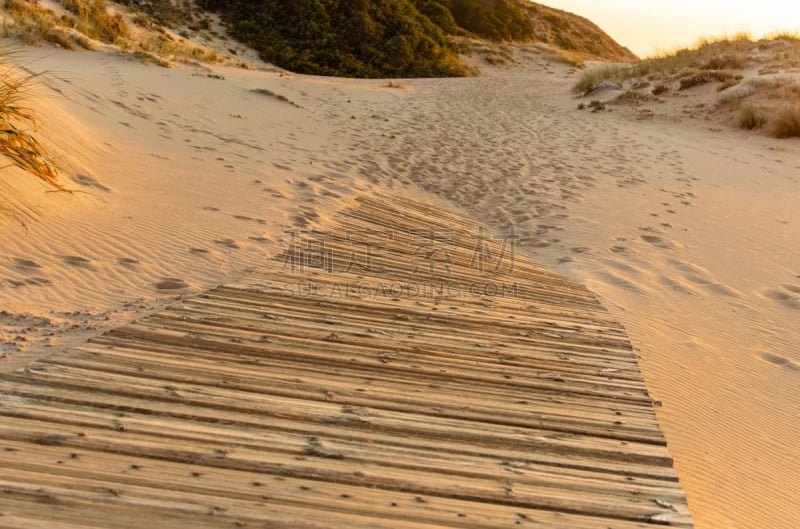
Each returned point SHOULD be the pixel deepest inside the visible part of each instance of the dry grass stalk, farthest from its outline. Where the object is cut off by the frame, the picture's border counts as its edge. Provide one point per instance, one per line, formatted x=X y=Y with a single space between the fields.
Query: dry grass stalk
x=19 y=145
x=752 y=118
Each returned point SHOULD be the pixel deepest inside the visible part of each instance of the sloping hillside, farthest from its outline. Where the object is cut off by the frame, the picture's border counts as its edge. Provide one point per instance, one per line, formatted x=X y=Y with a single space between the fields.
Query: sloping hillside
x=353 y=38
x=404 y=38
x=571 y=32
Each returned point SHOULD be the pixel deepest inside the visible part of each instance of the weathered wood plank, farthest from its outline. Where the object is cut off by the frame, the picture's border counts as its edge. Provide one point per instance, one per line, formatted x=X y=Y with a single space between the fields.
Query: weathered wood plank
x=377 y=375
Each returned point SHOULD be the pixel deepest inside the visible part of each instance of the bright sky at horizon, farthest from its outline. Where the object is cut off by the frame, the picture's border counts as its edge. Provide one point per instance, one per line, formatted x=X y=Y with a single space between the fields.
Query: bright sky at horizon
x=647 y=26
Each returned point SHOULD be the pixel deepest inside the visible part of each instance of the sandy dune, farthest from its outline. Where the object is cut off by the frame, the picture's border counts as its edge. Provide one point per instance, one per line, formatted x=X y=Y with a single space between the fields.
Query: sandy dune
x=689 y=235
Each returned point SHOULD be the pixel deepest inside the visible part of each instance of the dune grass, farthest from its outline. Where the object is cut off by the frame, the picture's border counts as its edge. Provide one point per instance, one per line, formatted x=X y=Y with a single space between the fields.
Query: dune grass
x=751 y=117
x=32 y=23
x=787 y=123
x=758 y=82
x=90 y=19
x=16 y=143
x=707 y=55
x=86 y=21
x=93 y=19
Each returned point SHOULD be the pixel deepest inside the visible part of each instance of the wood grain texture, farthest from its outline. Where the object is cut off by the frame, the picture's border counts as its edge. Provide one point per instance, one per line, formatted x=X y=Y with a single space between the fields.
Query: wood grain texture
x=403 y=369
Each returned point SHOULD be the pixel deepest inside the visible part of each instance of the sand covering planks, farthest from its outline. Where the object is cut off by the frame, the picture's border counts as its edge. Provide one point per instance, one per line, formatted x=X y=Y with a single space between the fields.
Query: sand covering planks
x=404 y=369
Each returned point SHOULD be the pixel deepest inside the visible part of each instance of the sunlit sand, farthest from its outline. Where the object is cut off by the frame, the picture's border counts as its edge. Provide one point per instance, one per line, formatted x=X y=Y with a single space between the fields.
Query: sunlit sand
x=185 y=178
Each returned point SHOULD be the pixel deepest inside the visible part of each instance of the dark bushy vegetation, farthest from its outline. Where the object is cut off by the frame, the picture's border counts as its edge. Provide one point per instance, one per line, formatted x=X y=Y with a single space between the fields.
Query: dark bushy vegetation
x=166 y=12
x=495 y=20
x=357 y=38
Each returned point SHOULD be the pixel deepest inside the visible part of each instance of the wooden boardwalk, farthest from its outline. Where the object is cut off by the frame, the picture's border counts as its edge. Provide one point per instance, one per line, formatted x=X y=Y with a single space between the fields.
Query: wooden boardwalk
x=404 y=370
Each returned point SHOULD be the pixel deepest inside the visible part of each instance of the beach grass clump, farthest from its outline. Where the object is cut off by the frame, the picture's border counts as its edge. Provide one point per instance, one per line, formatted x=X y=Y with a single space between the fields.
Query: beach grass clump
x=16 y=142
x=707 y=76
x=787 y=122
x=712 y=55
x=31 y=23
x=94 y=20
x=751 y=118
x=614 y=73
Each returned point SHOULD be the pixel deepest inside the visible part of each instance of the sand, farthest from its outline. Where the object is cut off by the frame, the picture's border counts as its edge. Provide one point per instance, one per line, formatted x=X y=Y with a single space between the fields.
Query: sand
x=185 y=178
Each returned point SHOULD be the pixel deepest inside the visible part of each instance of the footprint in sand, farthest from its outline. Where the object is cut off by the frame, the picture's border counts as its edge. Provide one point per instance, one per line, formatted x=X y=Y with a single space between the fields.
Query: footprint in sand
x=652 y=239
x=171 y=284
x=128 y=261
x=274 y=193
x=229 y=243
x=26 y=263
x=792 y=288
x=88 y=181
x=76 y=260
x=33 y=281
x=249 y=219
x=785 y=298
x=780 y=361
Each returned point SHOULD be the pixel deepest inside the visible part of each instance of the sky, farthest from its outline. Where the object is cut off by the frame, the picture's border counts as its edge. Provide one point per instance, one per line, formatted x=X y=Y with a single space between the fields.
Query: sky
x=647 y=26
